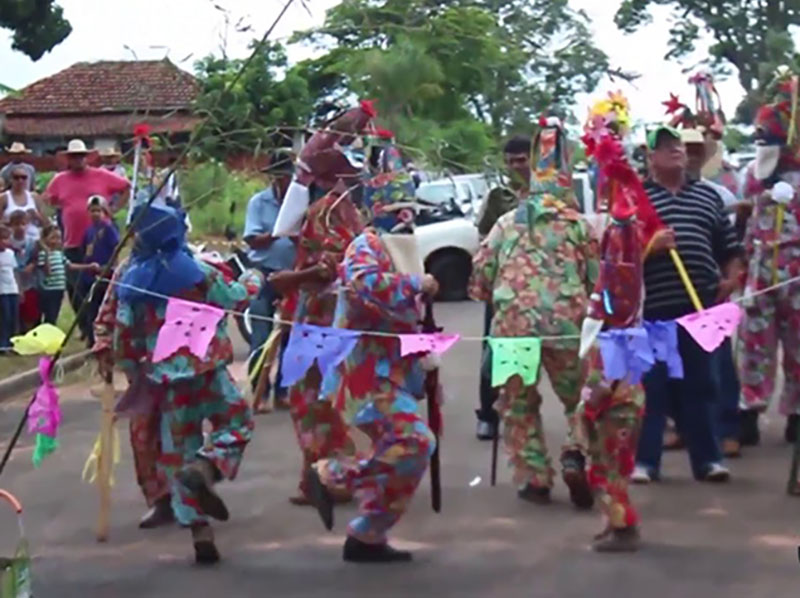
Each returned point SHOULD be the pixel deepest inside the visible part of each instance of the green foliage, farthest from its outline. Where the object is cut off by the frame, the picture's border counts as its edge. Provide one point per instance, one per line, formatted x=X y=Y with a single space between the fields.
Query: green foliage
x=210 y=189
x=751 y=35
x=453 y=77
x=37 y=25
x=247 y=111
x=734 y=139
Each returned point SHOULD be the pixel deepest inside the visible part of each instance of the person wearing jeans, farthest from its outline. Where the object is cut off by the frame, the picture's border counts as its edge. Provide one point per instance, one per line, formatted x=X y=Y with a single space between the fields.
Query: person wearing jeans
x=698 y=229
x=9 y=291
x=268 y=253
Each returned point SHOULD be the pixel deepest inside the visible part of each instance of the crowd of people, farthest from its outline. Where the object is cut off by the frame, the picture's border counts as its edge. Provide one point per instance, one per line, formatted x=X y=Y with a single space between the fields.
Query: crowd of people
x=43 y=258
x=332 y=244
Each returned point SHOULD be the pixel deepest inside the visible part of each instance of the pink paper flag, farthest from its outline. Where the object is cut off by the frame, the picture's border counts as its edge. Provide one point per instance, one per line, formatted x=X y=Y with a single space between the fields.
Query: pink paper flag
x=427 y=343
x=711 y=326
x=187 y=324
x=44 y=414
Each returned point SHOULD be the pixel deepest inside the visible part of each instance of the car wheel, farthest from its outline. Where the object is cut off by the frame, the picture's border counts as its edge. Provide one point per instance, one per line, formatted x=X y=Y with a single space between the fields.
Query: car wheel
x=244 y=324
x=451 y=269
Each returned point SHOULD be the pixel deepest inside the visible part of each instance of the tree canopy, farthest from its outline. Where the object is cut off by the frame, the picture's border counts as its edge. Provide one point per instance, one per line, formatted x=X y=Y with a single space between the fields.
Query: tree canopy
x=37 y=25
x=751 y=35
x=451 y=77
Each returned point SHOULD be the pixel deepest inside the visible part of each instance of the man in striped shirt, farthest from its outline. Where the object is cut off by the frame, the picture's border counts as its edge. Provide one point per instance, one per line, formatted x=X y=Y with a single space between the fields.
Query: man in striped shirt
x=706 y=241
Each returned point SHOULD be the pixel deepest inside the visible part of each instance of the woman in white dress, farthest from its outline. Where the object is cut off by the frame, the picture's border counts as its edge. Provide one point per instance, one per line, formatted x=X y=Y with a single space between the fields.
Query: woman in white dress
x=20 y=198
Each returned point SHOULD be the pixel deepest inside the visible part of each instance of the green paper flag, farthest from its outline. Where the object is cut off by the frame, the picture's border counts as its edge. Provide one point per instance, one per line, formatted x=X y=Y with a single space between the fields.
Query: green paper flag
x=515 y=356
x=45 y=445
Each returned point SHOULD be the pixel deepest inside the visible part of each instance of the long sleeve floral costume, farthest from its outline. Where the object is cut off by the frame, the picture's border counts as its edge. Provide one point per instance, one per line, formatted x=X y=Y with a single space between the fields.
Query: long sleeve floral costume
x=773 y=317
x=538 y=279
x=330 y=226
x=183 y=389
x=377 y=390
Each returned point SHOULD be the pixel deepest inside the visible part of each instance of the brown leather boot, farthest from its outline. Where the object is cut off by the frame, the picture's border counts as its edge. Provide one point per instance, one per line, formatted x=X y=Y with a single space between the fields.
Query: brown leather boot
x=159 y=514
x=624 y=539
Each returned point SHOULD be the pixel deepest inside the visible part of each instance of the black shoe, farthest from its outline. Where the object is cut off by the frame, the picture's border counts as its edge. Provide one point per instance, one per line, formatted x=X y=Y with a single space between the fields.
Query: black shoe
x=320 y=497
x=749 y=434
x=625 y=539
x=485 y=431
x=356 y=551
x=160 y=514
x=536 y=494
x=205 y=551
x=790 y=432
x=199 y=478
x=574 y=475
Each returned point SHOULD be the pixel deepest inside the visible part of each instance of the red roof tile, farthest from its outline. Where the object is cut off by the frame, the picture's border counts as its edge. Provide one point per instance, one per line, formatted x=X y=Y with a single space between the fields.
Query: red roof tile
x=121 y=86
x=93 y=125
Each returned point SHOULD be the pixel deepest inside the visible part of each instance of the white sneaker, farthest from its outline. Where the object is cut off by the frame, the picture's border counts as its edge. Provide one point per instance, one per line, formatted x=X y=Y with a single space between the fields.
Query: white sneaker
x=640 y=475
x=717 y=473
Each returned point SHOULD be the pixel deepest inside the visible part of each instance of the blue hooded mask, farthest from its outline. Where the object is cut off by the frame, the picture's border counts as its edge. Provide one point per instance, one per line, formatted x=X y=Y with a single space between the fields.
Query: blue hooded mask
x=160 y=261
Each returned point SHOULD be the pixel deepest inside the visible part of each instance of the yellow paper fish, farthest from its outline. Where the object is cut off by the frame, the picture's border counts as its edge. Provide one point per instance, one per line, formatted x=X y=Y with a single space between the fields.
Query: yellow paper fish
x=44 y=339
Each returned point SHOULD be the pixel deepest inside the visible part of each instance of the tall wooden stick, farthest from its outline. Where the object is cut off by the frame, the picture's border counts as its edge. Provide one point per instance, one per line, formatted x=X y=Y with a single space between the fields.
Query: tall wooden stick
x=105 y=459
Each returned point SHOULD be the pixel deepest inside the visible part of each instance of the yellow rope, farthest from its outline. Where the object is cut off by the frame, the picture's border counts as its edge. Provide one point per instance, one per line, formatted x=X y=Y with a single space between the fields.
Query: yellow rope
x=687 y=282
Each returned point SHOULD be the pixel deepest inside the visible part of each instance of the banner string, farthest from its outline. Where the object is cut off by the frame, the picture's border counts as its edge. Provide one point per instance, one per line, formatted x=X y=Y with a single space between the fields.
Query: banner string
x=274 y=320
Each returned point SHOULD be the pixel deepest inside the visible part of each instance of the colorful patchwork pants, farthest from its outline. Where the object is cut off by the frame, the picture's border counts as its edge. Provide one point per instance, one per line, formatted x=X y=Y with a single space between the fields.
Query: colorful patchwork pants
x=773 y=318
x=523 y=433
x=321 y=431
x=184 y=406
x=386 y=478
x=145 y=433
x=611 y=432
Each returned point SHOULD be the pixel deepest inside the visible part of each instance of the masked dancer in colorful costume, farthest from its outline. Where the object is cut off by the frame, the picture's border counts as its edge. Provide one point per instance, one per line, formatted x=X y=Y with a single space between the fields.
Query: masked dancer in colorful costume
x=613 y=398
x=773 y=247
x=375 y=388
x=180 y=389
x=537 y=267
x=331 y=224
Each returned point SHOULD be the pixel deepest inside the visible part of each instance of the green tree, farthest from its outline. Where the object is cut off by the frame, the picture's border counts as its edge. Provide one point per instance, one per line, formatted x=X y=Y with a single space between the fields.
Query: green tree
x=38 y=26
x=261 y=109
x=751 y=35
x=453 y=76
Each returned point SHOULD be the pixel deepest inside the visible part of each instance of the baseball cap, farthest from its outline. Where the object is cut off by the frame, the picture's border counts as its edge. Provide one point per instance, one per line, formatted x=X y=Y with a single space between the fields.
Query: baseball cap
x=652 y=136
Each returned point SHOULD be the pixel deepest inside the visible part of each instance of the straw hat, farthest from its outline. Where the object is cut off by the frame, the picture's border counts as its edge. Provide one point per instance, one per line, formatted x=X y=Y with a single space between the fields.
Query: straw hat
x=18 y=148
x=692 y=136
x=76 y=146
x=110 y=152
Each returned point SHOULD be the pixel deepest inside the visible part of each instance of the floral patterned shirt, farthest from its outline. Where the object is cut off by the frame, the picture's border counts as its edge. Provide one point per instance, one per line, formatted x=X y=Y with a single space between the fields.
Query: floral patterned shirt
x=538 y=279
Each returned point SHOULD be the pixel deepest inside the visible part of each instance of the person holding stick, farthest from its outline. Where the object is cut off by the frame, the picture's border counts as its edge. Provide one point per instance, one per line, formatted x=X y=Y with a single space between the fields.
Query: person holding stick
x=537 y=268
x=375 y=388
x=699 y=230
x=184 y=388
x=773 y=248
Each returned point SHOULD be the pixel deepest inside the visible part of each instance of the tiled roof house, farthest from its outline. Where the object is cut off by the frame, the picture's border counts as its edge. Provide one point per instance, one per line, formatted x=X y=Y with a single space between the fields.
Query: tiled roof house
x=100 y=102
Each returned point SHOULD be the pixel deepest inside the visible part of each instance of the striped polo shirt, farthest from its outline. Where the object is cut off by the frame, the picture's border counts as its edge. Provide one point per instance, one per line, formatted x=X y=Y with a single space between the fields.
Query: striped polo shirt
x=705 y=240
x=56 y=279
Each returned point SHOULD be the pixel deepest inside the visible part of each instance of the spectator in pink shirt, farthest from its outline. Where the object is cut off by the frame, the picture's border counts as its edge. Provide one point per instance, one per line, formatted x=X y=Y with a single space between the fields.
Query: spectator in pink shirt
x=69 y=191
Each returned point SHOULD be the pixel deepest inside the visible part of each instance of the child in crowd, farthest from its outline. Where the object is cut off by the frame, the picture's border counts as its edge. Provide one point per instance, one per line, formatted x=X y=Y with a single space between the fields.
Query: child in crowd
x=9 y=291
x=25 y=250
x=98 y=248
x=53 y=265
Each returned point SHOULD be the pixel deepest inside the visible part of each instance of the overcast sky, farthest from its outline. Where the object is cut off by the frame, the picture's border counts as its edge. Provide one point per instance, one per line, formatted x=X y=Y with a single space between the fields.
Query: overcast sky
x=194 y=28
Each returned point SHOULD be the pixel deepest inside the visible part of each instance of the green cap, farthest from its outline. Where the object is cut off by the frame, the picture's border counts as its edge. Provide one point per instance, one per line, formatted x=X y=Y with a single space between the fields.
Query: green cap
x=652 y=136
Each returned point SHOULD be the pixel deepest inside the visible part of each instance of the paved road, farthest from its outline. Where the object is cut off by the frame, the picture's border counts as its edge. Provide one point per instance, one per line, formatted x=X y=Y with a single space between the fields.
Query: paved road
x=701 y=540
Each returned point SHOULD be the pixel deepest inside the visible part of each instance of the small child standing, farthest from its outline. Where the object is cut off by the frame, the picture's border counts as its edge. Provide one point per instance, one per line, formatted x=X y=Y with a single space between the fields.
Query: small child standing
x=53 y=265
x=25 y=249
x=98 y=248
x=9 y=291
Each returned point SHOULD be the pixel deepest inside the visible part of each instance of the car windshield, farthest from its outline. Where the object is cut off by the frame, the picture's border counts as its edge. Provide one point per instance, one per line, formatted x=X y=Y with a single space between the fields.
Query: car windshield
x=437 y=192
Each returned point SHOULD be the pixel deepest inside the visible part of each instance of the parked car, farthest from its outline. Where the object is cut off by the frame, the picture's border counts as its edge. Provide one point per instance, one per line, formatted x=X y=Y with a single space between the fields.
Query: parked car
x=447 y=241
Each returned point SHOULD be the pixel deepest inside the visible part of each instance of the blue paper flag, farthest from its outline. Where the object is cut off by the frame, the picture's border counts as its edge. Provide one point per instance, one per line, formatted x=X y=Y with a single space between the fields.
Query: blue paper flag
x=627 y=354
x=664 y=341
x=328 y=346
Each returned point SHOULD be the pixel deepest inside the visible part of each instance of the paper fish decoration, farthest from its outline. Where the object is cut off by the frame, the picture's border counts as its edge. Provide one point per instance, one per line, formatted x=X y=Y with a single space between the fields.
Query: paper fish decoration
x=590 y=328
x=328 y=346
x=187 y=324
x=512 y=356
x=45 y=339
x=627 y=354
x=710 y=327
x=427 y=343
x=664 y=342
